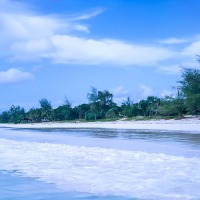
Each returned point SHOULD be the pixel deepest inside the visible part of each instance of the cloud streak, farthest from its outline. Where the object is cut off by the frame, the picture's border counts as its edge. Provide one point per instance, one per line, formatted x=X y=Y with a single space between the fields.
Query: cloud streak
x=89 y=15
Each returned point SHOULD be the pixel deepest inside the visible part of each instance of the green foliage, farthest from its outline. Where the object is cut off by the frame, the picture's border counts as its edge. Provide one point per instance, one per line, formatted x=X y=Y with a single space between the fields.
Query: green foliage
x=16 y=114
x=143 y=104
x=34 y=115
x=82 y=111
x=134 y=110
x=168 y=107
x=190 y=86
x=112 y=113
x=45 y=104
x=126 y=107
x=65 y=112
x=46 y=110
x=100 y=102
x=5 y=117
x=179 y=102
x=102 y=107
x=91 y=116
x=153 y=104
x=93 y=95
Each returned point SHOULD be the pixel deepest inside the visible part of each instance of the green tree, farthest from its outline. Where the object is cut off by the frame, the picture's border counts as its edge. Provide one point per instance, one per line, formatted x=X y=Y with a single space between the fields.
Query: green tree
x=143 y=105
x=46 y=108
x=4 y=117
x=179 y=102
x=153 y=104
x=17 y=114
x=35 y=114
x=173 y=105
x=105 y=102
x=135 y=110
x=93 y=101
x=83 y=110
x=65 y=112
x=100 y=102
x=126 y=107
x=113 y=113
x=190 y=86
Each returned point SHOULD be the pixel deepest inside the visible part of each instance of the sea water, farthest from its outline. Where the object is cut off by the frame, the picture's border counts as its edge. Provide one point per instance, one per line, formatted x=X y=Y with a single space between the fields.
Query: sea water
x=104 y=164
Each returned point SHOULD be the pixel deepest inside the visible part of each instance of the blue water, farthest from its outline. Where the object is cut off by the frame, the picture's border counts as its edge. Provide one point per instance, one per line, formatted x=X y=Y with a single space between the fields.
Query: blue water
x=15 y=187
x=98 y=164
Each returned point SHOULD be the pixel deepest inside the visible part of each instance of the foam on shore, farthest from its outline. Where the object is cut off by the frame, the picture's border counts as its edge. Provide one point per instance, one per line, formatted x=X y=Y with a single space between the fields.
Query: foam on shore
x=102 y=171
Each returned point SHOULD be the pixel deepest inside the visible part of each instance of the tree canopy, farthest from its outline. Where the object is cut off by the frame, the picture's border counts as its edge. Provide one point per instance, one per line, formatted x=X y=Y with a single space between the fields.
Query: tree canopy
x=190 y=86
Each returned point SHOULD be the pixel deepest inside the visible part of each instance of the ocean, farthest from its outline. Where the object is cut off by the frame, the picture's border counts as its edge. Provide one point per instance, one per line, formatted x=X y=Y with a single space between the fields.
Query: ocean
x=99 y=164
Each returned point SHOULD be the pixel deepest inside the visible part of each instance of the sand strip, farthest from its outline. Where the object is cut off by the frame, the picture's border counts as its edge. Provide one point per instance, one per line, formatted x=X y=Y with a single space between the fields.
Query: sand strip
x=189 y=125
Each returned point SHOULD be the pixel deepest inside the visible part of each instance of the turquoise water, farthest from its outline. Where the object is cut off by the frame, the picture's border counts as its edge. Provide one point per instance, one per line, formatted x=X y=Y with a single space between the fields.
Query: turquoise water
x=98 y=164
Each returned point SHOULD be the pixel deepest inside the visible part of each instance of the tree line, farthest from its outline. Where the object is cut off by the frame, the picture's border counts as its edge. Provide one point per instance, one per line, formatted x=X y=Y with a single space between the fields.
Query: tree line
x=101 y=105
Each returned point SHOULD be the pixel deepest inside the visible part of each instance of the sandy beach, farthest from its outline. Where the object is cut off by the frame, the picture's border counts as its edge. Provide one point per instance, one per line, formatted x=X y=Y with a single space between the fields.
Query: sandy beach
x=186 y=124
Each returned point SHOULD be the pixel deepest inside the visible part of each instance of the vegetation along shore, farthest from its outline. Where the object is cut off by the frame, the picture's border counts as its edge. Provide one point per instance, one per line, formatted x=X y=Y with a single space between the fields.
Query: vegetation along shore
x=101 y=106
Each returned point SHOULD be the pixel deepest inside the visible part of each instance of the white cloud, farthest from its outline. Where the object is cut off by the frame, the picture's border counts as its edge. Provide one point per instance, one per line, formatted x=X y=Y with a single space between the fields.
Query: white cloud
x=120 y=94
x=142 y=91
x=146 y=91
x=80 y=27
x=66 y=49
x=17 y=22
x=30 y=36
x=27 y=26
x=14 y=75
x=192 y=49
x=186 y=52
x=31 y=50
x=172 y=41
x=119 y=91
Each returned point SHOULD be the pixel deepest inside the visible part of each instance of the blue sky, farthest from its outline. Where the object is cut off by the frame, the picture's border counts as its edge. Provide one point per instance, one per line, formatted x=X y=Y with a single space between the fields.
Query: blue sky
x=56 y=48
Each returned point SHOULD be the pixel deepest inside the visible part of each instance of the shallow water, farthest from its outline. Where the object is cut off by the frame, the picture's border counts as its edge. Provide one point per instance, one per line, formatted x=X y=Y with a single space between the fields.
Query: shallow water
x=98 y=164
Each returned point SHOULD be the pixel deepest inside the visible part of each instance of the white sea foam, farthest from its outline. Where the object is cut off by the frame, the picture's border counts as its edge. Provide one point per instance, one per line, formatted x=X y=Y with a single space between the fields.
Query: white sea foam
x=104 y=171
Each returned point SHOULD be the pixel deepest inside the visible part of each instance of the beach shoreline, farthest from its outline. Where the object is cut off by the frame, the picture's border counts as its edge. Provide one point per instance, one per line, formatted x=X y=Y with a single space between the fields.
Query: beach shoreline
x=185 y=124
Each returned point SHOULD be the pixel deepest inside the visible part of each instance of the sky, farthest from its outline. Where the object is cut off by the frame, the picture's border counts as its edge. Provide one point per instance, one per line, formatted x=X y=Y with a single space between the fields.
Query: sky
x=61 y=48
